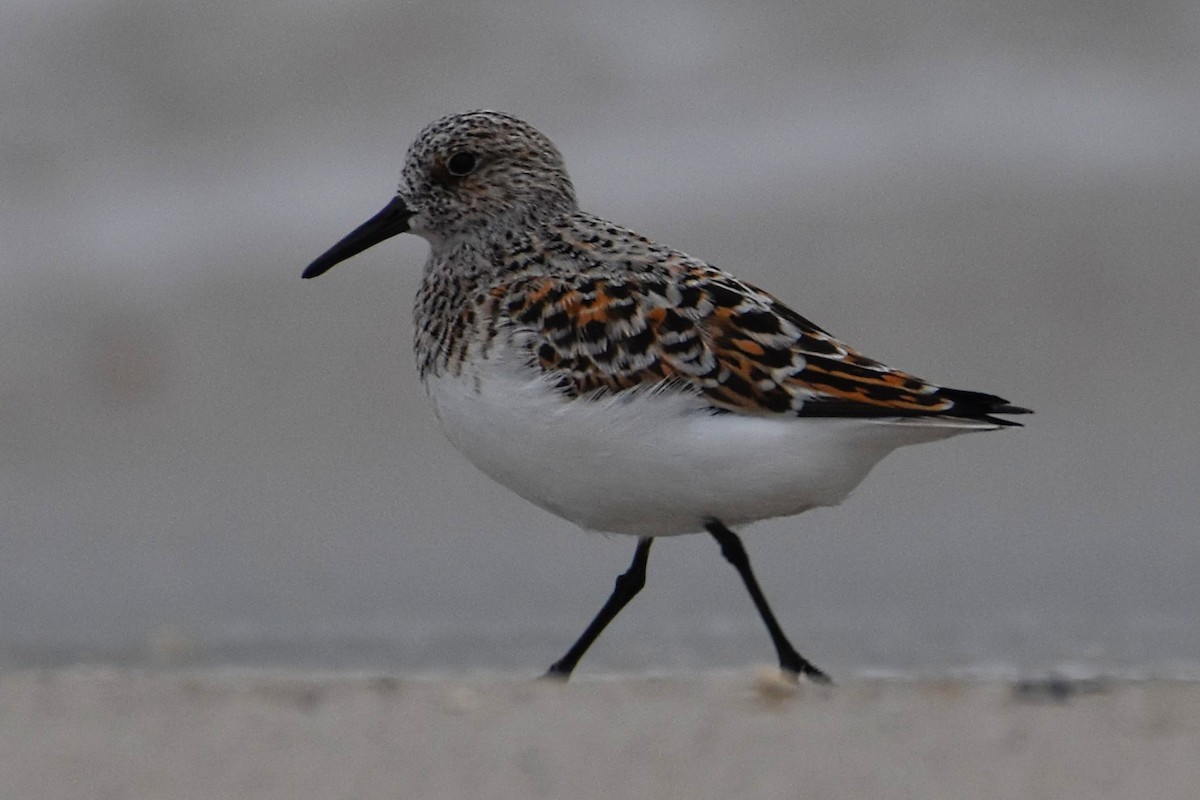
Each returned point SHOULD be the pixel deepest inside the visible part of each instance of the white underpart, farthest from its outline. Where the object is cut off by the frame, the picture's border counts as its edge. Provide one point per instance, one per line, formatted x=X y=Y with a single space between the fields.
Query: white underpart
x=656 y=463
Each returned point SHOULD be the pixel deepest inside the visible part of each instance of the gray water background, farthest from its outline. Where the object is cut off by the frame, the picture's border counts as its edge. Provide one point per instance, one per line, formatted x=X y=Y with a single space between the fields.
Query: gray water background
x=206 y=460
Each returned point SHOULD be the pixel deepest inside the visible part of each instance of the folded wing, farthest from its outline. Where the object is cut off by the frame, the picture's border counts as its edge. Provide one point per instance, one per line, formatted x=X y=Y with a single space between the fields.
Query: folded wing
x=697 y=328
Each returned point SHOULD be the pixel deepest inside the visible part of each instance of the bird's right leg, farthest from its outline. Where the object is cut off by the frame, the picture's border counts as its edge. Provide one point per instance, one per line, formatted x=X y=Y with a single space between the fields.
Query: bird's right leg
x=628 y=584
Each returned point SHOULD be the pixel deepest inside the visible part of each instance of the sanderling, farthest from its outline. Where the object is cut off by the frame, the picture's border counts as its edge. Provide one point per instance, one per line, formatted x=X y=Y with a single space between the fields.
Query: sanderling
x=620 y=384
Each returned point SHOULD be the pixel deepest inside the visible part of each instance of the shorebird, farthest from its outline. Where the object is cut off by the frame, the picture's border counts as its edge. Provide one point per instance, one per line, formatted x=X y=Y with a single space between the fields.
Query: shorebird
x=623 y=385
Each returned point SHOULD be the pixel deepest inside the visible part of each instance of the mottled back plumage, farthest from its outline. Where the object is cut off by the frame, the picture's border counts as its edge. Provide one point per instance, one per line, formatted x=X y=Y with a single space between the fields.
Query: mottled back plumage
x=601 y=309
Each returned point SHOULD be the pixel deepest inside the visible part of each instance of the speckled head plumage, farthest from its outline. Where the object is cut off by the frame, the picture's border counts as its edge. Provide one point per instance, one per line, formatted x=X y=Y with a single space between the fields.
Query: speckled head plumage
x=481 y=168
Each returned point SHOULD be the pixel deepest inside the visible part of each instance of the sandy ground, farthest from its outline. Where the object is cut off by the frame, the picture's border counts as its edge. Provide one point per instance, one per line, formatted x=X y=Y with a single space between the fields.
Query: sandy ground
x=118 y=735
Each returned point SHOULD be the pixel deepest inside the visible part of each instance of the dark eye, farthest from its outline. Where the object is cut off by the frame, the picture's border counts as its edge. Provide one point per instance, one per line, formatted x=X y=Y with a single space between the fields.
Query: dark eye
x=462 y=164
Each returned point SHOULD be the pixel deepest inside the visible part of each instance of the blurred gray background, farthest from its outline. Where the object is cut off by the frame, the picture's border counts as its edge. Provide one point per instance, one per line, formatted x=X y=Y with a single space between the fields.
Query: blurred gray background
x=206 y=460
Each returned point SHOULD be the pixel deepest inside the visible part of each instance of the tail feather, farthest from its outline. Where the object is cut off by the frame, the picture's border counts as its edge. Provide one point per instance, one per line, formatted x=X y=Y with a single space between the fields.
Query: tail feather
x=978 y=405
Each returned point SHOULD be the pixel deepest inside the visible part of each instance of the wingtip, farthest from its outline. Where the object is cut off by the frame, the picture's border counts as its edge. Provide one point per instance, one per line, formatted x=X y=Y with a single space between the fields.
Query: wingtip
x=979 y=405
x=1008 y=409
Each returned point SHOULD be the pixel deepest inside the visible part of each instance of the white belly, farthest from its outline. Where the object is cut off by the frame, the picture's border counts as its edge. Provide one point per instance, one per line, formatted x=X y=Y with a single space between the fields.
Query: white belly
x=657 y=463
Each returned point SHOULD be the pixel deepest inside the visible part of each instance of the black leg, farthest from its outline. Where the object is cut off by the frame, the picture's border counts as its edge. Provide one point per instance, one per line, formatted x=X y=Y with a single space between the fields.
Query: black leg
x=627 y=585
x=789 y=659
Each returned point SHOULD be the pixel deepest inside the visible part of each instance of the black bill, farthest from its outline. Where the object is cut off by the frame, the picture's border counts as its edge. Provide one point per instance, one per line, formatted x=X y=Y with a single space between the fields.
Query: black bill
x=393 y=219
